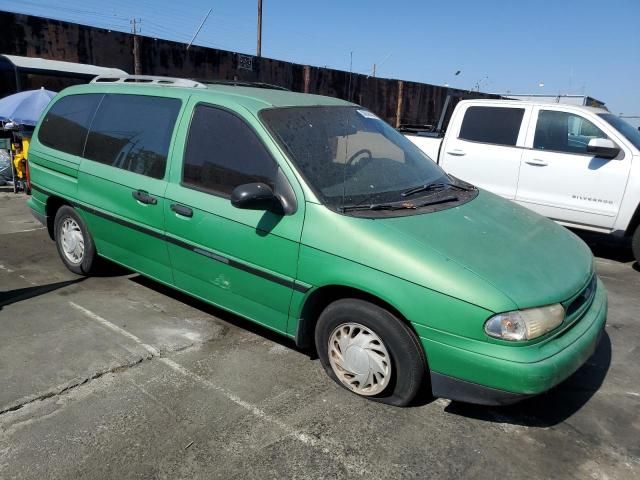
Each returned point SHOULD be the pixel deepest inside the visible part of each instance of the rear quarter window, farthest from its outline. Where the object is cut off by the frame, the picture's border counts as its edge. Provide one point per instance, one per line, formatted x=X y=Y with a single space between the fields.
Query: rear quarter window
x=495 y=125
x=66 y=124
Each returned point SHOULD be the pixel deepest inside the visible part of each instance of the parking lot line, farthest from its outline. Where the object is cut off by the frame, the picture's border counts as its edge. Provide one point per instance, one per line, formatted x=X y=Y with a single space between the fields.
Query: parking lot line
x=256 y=411
x=106 y=323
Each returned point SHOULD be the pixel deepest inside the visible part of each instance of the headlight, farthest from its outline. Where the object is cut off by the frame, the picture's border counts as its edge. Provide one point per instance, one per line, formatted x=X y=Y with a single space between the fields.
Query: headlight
x=525 y=324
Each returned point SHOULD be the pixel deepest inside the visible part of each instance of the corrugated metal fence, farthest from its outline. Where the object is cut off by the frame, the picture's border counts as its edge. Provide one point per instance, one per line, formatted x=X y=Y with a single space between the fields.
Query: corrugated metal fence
x=396 y=101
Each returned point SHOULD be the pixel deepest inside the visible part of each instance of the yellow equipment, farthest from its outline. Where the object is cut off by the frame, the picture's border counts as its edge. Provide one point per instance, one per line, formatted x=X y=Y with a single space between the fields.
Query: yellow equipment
x=20 y=151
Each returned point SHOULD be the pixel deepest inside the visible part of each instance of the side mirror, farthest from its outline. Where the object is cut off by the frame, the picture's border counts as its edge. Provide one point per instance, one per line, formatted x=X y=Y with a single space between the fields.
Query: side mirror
x=255 y=196
x=603 y=147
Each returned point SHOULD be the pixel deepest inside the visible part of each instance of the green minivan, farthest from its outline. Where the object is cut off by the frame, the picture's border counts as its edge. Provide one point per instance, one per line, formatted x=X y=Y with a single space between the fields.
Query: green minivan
x=314 y=218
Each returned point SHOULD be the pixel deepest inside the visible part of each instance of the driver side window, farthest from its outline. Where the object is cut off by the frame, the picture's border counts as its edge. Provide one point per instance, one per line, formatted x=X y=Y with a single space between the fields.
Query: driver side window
x=564 y=132
x=223 y=152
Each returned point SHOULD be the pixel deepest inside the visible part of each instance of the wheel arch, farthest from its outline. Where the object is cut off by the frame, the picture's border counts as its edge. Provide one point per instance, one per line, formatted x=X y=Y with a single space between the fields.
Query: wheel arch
x=634 y=223
x=322 y=296
x=52 y=206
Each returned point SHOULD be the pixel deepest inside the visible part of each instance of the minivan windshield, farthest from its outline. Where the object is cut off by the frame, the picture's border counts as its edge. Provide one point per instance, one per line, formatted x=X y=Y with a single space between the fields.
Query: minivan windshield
x=630 y=133
x=349 y=156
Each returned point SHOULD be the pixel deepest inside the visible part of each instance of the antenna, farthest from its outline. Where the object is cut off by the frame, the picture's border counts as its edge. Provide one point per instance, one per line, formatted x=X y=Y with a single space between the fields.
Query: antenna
x=200 y=27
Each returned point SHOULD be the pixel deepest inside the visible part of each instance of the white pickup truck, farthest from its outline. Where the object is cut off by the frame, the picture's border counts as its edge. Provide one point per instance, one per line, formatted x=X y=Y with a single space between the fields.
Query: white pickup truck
x=579 y=166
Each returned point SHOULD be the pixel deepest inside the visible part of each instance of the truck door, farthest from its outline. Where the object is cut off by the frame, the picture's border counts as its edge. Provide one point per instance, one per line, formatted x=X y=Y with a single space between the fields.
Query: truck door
x=561 y=180
x=482 y=146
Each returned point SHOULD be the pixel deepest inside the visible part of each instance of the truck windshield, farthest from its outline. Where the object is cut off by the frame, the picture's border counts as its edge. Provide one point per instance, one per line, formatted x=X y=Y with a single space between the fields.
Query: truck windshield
x=630 y=133
x=349 y=156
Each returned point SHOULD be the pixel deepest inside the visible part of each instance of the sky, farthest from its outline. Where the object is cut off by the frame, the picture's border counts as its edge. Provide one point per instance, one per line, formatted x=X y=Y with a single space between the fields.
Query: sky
x=587 y=47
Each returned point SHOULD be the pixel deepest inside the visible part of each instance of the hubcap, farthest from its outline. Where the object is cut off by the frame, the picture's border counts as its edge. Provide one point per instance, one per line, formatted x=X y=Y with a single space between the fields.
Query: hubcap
x=72 y=241
x=359 y=359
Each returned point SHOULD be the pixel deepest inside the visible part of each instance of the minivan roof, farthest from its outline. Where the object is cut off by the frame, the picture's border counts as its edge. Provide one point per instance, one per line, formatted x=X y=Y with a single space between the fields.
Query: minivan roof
x=253 y=98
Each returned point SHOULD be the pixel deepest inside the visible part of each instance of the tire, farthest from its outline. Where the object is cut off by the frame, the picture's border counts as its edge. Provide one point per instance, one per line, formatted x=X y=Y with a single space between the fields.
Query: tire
x=387 y=341
x=635 y=244
x=69 y=231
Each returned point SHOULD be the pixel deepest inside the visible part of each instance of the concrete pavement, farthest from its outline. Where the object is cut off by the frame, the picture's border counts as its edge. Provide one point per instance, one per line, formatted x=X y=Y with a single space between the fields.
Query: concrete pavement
x=119 y=377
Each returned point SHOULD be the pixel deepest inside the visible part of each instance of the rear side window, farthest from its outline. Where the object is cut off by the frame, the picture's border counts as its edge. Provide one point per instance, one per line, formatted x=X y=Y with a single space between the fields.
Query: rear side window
x=133 y=132
x=497 y=125
x=67 y=122
x=223 y=152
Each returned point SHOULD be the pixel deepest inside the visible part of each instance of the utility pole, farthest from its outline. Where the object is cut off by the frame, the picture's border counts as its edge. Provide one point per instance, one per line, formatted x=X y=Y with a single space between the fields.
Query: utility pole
x=259 y=48
x=376 y=65
x=350 y=74
x=135 y=29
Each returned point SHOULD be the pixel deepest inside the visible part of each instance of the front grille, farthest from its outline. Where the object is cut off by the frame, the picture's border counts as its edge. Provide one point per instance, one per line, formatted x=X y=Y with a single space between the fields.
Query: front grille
x=583 y=297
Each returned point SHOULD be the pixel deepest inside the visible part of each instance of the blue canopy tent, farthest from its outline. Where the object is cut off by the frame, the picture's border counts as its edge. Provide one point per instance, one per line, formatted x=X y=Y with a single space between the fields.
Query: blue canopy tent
x=24 y=108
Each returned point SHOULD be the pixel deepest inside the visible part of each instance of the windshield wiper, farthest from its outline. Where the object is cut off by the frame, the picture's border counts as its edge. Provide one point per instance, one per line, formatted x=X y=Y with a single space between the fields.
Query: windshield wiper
x=373 y=206
x=430 y=187
x=401 y=206
x=439 y=200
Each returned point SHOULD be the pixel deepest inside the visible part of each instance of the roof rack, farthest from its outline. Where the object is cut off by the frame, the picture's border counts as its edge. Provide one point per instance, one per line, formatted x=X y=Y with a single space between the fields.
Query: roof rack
x=149 y=80
x=240 y=83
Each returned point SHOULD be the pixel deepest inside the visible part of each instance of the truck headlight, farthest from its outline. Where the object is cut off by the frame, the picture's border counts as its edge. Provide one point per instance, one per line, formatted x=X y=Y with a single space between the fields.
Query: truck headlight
x=525 y=324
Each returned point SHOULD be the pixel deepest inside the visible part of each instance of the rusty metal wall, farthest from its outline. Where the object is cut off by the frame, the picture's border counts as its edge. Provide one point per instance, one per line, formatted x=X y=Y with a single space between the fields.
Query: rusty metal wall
x=394 y=100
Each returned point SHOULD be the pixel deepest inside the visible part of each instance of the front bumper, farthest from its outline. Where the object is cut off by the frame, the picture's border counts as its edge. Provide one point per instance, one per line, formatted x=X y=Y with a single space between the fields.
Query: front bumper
x=506 y=374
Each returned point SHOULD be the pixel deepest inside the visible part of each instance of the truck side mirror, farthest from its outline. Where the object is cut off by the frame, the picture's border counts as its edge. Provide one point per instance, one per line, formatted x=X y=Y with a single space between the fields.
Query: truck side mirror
x=603 y=148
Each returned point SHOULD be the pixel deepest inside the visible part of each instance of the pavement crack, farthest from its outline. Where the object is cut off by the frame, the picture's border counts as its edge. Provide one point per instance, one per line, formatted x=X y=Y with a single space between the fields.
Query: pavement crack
x=74 y=384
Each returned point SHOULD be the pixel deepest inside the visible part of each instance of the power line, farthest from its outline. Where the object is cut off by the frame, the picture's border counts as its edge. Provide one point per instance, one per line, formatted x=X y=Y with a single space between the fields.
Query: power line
x=199 y=28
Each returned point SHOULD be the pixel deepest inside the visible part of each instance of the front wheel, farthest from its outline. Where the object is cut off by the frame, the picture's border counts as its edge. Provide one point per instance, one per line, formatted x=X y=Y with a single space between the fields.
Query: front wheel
x=369 y=351
x=635 y=244
x=75 y=245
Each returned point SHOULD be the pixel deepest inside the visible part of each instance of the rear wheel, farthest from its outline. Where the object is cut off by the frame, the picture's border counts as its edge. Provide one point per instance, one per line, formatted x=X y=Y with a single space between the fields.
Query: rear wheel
x=75 y=245
x=635 y=244
x=369 y=351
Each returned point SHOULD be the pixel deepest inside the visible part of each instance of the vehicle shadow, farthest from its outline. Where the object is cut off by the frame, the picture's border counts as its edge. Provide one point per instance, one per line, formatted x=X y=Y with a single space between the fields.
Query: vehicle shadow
x=607 y=246
x=216 y=312
x=107 y=268
x=554 y=406
x=21 y=294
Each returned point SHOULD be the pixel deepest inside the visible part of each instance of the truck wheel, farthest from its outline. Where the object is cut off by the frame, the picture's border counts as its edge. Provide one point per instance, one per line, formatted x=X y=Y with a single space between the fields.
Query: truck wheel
x=74 y=243
x=369 y=351
x=635 y=244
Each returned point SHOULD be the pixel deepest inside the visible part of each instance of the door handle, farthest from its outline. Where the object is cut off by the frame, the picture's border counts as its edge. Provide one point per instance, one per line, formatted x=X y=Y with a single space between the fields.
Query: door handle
x=144 y=197
x=536 y=162
x=456 y=152
x=182 y=210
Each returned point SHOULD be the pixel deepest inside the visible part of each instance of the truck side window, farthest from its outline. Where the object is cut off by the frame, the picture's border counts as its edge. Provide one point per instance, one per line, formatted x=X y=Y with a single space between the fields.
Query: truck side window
x=222 y=152
x=564 y=132
x=133 y=132
x=67 y=122
x=496 y=125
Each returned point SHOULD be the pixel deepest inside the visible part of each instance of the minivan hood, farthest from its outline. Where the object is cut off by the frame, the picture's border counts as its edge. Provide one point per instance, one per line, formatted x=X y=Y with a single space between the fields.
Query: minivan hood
x=488 y=252
x=529 y=258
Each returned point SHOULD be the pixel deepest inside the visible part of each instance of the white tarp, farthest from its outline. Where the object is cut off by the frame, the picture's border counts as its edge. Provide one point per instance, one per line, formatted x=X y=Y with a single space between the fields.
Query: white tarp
x=64 y=67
